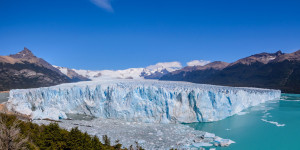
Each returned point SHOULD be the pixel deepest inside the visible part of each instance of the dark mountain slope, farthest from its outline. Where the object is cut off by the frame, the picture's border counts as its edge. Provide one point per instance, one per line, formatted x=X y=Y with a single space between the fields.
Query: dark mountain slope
x=275 y=75
x=275 y=71
x=24 y=70
x=195 y=73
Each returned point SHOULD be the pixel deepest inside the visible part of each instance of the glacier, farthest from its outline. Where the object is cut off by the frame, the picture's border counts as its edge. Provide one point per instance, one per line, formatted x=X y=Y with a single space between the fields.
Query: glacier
x=148 y=101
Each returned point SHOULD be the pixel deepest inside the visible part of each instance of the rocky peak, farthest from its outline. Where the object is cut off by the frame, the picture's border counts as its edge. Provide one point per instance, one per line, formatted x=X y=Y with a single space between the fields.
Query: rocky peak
x=291 y=57
x=278 y=53
x=27 y=56
x=26 y=53
x=261 y=58
x=297 y=53
x=216 y=65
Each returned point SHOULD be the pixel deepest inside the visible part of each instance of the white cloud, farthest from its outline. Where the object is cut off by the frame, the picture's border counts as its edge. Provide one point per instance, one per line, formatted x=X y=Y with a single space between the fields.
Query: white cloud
x=104 y=4
x=198 y=62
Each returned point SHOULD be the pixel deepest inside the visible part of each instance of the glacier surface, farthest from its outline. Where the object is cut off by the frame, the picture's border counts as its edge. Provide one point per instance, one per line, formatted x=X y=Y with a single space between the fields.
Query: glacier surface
x=138 y=100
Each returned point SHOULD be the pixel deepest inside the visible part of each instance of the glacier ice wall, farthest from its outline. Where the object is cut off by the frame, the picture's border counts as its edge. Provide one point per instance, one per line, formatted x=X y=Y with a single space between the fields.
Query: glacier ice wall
x=138 y=100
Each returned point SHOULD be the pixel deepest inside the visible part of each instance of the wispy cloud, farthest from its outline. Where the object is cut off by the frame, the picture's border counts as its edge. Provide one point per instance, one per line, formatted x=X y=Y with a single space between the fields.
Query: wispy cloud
x=197 y=63
x=104 y=4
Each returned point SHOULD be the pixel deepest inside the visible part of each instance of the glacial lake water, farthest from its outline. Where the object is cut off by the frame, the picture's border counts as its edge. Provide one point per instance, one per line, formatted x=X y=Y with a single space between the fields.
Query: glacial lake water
x=274 y=125
x=4 y=97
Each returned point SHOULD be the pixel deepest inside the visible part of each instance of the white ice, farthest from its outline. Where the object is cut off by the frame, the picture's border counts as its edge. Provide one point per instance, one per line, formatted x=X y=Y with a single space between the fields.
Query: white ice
x=148 y=135
x=273 y=122
x=138 y=100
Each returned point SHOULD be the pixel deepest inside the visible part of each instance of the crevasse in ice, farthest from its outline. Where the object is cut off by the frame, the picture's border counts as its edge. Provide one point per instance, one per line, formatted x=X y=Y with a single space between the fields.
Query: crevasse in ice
x=138 y=100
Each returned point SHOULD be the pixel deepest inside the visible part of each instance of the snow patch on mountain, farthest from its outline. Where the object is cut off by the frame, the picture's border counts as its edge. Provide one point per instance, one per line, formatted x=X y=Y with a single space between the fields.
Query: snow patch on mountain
x=159 y=67
x=63 y=70
x=131 y=73
x=75 y=77
x=151 y=72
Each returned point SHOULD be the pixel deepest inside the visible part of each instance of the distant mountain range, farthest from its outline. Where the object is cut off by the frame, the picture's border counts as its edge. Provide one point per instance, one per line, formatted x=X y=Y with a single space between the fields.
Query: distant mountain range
x=151 y=72
x=24 y=70
x=264 y=70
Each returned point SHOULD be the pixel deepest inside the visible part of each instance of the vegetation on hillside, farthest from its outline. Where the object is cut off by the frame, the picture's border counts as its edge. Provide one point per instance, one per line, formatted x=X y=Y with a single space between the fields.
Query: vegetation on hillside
x=16 y=134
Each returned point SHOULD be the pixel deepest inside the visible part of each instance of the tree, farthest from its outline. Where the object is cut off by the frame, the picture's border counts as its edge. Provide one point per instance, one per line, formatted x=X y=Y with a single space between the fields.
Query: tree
x=10 y=136
x=106 y=140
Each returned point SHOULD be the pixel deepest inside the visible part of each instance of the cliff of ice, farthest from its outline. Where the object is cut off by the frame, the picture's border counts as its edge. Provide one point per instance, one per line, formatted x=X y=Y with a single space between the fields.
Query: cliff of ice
x=138 y=100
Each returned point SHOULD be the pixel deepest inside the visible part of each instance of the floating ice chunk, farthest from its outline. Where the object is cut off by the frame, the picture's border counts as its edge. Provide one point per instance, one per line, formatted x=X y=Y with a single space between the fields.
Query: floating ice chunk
x=202 y=144
x=222 y=142
x=266 y=115
x=209 y=135
x=51 y=113
x=290 y=100
x=273 y=122
x=242 y=113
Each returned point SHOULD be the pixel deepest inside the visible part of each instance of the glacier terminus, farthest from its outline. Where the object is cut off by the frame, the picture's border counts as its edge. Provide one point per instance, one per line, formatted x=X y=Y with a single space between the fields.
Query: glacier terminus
x=148 y=101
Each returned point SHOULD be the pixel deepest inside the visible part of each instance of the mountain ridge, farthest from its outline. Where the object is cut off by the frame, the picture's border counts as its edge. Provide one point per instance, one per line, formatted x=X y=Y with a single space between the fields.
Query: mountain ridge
x=264 y=70
x=151 y=72
x=25 y=70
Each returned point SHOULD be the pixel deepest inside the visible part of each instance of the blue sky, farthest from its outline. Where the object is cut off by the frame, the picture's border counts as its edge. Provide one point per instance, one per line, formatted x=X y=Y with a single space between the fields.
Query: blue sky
x=119 y=34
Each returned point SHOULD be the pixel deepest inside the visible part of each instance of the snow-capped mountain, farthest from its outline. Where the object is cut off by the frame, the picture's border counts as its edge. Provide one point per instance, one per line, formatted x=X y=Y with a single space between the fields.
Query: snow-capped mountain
x=158 y=70
x=25 y=70
x=151 y=72
x=264 y=70
x=131 y=73
x=162 y=67
x=71 y=74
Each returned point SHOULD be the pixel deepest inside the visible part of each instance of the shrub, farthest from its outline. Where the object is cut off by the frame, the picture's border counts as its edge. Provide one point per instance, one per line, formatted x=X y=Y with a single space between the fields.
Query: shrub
x=17 y=134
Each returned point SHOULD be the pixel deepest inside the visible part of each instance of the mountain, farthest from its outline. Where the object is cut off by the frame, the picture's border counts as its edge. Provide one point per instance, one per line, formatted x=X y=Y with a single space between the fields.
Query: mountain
x=131 y=73
x=151 y=72
x=195 y=73
x=25 y=70
x=264 y=70
x=158 y=70
x=75 y=77
x=263 y=58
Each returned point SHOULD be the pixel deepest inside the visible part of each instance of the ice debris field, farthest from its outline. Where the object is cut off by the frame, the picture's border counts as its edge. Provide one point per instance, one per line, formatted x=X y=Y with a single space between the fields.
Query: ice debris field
x=148 y=135
x=138 y=100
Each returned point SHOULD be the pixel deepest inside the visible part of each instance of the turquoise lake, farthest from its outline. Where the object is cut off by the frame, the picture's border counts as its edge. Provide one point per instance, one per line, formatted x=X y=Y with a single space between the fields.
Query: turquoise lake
x=270 y=126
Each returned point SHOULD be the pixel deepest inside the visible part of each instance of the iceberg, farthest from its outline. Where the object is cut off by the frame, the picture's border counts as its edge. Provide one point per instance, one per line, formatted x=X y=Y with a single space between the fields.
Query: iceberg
x=148 y=101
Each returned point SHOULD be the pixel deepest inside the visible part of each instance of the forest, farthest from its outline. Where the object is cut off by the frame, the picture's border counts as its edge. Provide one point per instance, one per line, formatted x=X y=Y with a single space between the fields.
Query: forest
x=17 y=134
